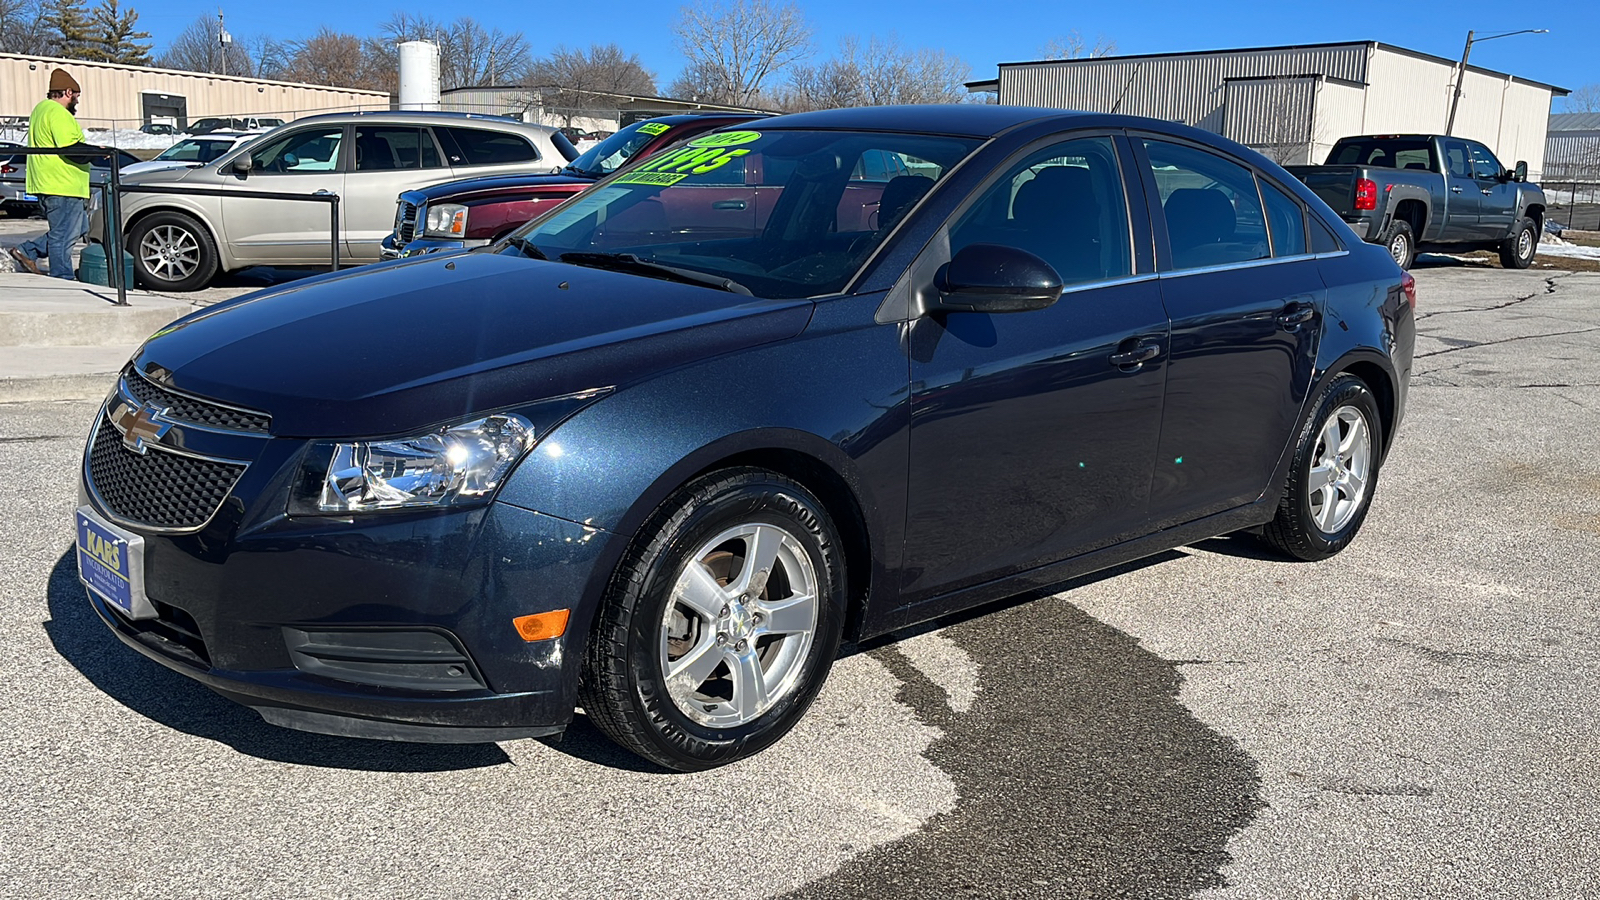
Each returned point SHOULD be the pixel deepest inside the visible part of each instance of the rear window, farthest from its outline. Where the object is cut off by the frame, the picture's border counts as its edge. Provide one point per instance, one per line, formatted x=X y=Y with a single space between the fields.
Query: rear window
x=475 y=147
x=1389 y=153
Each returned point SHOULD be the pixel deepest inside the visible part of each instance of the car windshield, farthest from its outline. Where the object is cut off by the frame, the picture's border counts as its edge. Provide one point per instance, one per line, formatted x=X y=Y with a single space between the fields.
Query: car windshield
x=195 y=151
x=608 y=156
x=783 y=213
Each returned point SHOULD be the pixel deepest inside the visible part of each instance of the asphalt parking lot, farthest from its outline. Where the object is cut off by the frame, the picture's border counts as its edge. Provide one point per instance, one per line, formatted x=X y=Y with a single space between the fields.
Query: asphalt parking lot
x=1413 y=718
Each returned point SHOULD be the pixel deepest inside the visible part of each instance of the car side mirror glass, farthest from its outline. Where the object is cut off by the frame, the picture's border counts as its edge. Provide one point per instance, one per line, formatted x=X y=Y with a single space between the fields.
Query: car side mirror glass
x=244 y=164
x=995 y=278
x=1521 y=173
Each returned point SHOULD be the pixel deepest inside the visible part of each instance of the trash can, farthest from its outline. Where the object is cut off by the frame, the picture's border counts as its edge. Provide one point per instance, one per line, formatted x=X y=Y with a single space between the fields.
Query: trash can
x=92 y=266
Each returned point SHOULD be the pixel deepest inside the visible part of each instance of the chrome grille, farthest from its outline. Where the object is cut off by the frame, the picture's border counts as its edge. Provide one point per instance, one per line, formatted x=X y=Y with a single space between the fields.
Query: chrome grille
x=189 y=409
x=408 y=222
x=156 y=488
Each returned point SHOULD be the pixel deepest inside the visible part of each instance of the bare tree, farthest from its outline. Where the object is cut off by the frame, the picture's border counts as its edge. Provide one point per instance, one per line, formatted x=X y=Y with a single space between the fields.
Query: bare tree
x=197 y=49
x=23 y=27
x=577 y=81
x=734 y=46
x=1584 y=99
x=880 y=73
x=1072 y=45
x=334 y=58
x=469 y=54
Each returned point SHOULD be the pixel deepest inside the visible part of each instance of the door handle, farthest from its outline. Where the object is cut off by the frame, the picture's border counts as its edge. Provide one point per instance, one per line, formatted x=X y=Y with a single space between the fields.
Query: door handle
x=1455 y=190
x=1296 y=315
x=728 y=204
x=1135 y=358
x=1485 y=191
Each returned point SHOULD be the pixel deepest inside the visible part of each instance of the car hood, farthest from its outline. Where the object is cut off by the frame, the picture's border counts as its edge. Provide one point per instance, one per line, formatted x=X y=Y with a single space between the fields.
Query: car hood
x=398 y=347
x=493 y=183
x=156 y=165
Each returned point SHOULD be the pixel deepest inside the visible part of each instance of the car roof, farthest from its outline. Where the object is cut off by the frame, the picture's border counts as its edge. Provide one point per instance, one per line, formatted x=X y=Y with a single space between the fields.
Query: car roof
x=427 y=117
x=979 y=120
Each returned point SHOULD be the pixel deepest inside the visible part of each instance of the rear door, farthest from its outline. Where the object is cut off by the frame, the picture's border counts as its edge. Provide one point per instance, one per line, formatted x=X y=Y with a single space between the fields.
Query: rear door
x=284 y=232
x=1030 y=442
x=1462 y=211
x=1244 y=308
x=389 y=160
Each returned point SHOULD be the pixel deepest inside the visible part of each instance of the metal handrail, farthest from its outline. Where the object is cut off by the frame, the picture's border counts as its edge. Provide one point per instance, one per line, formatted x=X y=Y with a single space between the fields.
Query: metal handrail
x=113 y=205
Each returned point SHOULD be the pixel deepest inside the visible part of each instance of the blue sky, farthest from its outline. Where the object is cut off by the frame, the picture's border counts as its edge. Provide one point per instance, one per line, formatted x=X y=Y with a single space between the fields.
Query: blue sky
x=988 y=33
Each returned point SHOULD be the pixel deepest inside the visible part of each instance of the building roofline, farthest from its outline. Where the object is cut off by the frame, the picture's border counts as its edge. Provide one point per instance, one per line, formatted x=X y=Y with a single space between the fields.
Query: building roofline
x=702 y=104
x=1558 y=91
x=64 y=62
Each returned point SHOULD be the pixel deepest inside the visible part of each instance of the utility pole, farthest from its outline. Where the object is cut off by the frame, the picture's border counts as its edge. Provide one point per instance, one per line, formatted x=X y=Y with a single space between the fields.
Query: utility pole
x=223 y=40
x=1461 y=71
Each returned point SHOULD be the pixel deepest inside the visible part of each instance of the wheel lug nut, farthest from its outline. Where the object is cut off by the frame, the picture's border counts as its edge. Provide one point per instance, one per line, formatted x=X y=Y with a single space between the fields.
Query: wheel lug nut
x=741 y=646
x=722 y=638
x=724 y=610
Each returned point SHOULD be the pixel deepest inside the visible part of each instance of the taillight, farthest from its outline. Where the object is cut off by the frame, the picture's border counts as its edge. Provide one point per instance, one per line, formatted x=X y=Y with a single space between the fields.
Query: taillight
x=1366 y=194
x=8 y=170
x=1408 y=286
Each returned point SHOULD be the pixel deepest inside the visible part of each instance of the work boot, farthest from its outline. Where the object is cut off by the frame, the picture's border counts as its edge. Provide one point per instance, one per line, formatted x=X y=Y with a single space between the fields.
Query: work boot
x=24 y=262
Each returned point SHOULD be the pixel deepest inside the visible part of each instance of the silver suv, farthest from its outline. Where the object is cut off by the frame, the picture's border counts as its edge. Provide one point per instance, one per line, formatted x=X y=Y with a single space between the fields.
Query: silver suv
x=180 y=243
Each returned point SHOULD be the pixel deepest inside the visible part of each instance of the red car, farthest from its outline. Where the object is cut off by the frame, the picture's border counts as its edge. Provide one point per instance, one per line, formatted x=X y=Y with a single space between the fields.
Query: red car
x=475 y=211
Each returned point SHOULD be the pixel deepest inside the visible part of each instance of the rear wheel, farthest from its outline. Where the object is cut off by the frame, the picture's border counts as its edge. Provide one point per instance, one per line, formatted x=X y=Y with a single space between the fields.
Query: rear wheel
x=1402 y=243
x=172 y=252
x=1518 y=250
x=720 y=625
x=1335 y=471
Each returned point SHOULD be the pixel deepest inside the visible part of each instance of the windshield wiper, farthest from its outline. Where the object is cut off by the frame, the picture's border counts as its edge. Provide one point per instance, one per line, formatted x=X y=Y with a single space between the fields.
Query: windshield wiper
x=526 y=247
x=627 y=262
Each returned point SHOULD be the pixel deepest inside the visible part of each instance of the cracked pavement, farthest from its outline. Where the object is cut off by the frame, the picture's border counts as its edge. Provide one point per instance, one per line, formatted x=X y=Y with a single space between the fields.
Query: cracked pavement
x=1414 y=718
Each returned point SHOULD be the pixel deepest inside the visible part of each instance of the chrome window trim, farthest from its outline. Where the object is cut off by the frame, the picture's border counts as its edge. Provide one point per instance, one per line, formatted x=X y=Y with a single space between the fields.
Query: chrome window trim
x=198 y=426
x=1249 y=263
x=104 y=508
x=1109 y=282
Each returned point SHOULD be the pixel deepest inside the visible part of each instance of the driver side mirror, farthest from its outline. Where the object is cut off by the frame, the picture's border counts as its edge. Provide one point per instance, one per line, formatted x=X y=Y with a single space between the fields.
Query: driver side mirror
x=1521 y=173
x=995 y=278
x=244 y=164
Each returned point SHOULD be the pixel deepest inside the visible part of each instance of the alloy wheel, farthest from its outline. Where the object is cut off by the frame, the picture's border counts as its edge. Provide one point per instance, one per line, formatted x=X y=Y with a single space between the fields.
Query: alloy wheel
x=169 y=252
x=1341 y=468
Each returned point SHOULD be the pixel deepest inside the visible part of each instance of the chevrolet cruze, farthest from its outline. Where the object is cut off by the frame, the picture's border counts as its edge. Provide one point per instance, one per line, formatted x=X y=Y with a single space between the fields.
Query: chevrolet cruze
x=656 y=453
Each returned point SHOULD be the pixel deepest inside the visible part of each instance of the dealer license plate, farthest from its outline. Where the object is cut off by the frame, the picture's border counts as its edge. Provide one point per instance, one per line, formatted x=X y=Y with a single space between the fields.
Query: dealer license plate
x=111 y=563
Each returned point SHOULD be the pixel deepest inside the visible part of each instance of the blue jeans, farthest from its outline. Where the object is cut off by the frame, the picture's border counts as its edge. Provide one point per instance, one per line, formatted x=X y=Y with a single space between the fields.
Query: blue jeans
x=69 y=222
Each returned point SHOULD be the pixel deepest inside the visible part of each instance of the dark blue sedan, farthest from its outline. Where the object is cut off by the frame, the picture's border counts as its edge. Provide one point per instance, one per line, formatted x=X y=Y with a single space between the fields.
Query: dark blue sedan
x=657 y=453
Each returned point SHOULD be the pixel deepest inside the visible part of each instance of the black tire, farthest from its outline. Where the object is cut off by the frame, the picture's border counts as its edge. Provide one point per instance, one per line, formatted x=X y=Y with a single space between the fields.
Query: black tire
x=1297 y=530
x=623 y=686
x=1515 y=253
x=1401 y=243
x=188 y=239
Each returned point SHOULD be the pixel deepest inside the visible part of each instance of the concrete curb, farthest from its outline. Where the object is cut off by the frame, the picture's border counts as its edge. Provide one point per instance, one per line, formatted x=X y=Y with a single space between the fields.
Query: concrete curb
x=30 y=389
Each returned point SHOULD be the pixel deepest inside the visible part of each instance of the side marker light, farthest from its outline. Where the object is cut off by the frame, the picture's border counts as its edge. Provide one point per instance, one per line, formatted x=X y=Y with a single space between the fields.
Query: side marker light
x=542 y=626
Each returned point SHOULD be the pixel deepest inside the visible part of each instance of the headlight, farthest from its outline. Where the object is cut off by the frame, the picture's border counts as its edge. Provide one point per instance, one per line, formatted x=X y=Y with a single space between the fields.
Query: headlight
x=443 y=468
x=447 y=220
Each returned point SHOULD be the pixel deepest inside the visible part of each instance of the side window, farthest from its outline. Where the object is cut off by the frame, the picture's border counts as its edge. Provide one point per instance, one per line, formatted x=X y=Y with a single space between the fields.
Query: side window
x=1484 y=166
x=1212 y=212
x=1322 y=240
x=382 y=148
x=1287 y=222
x=312 y=150
x=474 y=147
x=1455 y=159
x=1065 y=205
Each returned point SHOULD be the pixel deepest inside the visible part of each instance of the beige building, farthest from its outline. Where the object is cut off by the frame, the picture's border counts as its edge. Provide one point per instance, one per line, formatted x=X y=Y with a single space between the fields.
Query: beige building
x=607 y=111
x=1292 y=103
x=117 y=96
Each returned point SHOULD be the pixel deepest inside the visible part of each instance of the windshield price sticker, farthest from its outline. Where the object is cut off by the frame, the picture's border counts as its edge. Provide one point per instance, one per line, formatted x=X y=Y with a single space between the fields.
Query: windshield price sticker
x=654 y=128
x=726 y=139
x=672 y=167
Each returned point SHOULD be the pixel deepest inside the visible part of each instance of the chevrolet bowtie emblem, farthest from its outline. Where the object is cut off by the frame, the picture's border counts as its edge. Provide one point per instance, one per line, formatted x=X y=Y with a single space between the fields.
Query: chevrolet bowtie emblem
x=140 y=424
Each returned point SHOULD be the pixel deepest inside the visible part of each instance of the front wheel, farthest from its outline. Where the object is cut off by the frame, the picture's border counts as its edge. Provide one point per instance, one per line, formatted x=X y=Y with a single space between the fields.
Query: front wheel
x=1335 y=471
x=1518 y=250
x=172 y=252
x=721 y=623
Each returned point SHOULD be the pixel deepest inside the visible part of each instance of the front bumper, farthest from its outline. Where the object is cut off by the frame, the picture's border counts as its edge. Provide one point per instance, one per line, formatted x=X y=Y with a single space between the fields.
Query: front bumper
x=390 y=249
x=234 y=612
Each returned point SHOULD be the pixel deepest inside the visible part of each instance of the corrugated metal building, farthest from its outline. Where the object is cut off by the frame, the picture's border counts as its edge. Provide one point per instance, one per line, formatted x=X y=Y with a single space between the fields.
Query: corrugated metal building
x=117 y=96
x=1292 y=103
x=1572 y=148
x=608 y=111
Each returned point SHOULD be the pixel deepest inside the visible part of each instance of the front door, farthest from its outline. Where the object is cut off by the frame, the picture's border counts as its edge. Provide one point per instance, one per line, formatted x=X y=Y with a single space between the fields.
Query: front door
x=286 y=232
x=1462 y=221
x=1497 y=197
x=1031 y=437
x=1244 y=327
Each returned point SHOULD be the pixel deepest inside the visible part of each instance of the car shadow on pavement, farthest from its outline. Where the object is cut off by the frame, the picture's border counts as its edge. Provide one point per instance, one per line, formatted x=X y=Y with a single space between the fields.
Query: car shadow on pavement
x=1078 y=771
x=164 y=696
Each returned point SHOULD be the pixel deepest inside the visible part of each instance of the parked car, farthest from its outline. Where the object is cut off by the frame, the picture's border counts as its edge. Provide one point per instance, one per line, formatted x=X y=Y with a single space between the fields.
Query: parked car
x=472 y=212
x=1413 y=192
x=14 y=196
x=191 y=152
x=210 y=124
x=655 y=453
x=158 y=128
x=180 y=243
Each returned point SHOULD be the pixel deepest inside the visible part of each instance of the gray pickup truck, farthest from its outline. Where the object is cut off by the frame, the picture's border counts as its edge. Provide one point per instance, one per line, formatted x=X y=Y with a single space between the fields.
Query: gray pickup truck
x=1414 y=192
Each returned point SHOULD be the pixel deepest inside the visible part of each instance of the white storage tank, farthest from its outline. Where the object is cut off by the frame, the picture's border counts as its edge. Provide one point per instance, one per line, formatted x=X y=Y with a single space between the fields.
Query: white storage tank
x=419 y=75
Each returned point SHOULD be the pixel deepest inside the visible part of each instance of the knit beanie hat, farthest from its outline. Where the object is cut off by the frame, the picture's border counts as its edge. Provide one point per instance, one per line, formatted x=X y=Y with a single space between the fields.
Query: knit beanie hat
x=61 y=81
